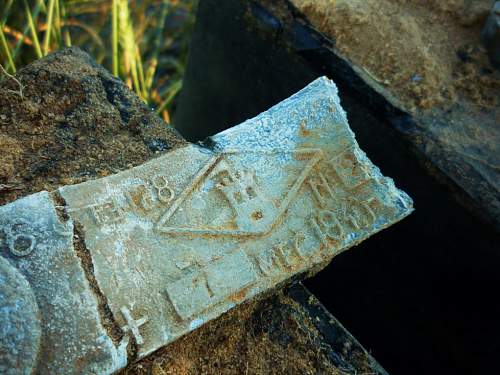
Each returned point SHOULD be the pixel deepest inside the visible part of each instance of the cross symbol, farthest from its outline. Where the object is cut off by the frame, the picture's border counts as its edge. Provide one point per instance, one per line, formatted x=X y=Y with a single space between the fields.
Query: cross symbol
x=133 y=325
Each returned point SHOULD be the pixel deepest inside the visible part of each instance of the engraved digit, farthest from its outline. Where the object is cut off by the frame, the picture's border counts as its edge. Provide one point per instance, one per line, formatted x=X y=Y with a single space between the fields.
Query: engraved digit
x=332 y=226
x=297 y=240
x=357 y=219
x=321 y=189
x=164 y=192
x=266 y=259
x=21 y=244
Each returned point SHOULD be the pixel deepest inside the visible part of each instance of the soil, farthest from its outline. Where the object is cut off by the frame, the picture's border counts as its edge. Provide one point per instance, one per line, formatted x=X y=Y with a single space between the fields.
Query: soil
x=273 y=336
x=428 y=54
x=72 y=121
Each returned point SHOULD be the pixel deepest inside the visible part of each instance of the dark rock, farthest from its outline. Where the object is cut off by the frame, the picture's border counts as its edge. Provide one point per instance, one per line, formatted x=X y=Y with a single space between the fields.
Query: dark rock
x=74 y=121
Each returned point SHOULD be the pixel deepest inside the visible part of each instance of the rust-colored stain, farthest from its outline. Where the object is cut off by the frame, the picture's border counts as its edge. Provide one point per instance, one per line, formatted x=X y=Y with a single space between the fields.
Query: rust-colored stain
x=303 y=131
x=238 y=296
x=257 y=215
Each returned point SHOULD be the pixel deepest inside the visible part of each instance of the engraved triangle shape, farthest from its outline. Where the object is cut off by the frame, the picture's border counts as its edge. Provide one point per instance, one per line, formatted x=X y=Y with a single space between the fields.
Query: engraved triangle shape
x=239 y=193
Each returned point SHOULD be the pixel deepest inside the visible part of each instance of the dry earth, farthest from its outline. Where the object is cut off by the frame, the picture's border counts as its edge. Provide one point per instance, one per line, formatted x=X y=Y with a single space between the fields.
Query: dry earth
x=426 y=52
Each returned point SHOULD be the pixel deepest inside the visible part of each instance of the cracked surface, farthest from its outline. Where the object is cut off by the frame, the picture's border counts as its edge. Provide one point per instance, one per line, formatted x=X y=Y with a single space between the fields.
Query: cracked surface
x=107 y=319
x=40 y=247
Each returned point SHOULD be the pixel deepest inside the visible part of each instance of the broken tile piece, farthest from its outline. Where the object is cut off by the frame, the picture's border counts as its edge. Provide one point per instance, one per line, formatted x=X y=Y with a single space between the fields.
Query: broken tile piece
x=179 y=240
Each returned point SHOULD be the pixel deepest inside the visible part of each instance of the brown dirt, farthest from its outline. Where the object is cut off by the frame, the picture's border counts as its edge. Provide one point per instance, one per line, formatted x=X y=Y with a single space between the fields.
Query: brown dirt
x=427 y=53
x=270 y=337
x=74 y=122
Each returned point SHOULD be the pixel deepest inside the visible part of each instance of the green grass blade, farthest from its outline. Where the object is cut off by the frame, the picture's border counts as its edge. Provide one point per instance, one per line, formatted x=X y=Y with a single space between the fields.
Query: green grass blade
x=50 y=18
x=31 y=16
x=140 y=70
x=6 y=11
x=114 y=36
x=165 y=5
x=57 y=23
x=6 y=49
x=171 y=93
x=66 y=33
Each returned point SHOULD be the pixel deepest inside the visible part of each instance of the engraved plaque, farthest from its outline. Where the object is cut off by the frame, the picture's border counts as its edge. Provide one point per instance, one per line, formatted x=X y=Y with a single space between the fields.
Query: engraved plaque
x=177 y=241
x=187 y=236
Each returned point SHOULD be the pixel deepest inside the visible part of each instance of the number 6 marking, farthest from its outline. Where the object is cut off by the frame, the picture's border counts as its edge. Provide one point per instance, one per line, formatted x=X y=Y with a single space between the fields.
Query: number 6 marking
x=12 y=238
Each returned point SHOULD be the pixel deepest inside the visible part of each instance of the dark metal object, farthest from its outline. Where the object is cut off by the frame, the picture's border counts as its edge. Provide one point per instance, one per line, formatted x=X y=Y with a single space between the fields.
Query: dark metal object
x=491 y=35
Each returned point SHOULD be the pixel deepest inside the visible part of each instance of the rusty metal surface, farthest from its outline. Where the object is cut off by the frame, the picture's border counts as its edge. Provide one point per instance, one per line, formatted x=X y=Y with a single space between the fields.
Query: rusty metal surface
x=179 y=240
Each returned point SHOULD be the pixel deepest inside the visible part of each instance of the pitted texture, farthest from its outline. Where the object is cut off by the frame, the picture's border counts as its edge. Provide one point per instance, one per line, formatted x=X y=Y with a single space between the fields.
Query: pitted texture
x=19 y=322
x=40 y=247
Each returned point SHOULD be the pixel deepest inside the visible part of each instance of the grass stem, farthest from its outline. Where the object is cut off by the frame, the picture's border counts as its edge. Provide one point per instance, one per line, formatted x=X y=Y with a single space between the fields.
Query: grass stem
x=114 y=36
x=50 y=17
x=31 y=25
x=6 y=48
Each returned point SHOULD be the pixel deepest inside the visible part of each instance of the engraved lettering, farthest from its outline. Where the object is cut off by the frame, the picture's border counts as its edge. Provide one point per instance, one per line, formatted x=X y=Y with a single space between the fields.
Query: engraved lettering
x=140 y=197
x=361 y=214
x=18 y=241
x=318 y=231
x=164 y=192
x=298 y=239
x=194 y=292
x=107 y=212
x=321 y=189
x=267 y=261
x=133 y=325
x=332 y=227
x=287 y=253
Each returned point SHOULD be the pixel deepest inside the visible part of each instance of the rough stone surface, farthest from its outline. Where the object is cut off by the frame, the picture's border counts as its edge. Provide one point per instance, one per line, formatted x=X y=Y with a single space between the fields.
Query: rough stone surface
x=181 y=239
x=20 y=329
x=40 y=247
x=74 y=121
x=151 y=253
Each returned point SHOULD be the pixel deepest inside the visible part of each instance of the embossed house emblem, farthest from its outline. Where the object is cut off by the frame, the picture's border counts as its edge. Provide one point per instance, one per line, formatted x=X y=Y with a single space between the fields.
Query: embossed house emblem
x=240 y=193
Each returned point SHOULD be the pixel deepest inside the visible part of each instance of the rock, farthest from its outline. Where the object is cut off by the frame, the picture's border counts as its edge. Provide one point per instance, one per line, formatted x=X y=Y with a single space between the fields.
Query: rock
x=20 y=330
x=40 y=247
x=173 y=243
x=75 y=121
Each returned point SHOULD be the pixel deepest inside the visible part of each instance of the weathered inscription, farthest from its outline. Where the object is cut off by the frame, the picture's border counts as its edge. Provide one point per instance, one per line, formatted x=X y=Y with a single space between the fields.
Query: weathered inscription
x=183 y=238
x=18 y=237
x=153 y=193
x=133 y=325
x=197 y=291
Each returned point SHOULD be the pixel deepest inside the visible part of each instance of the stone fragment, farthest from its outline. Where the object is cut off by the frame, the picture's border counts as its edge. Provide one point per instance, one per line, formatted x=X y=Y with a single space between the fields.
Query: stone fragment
x=73 y=341
x=175 y=242
x=20 y=329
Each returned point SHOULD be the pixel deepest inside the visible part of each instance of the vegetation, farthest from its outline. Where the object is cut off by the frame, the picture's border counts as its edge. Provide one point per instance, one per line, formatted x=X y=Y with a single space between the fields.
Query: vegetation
x=144 y=42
